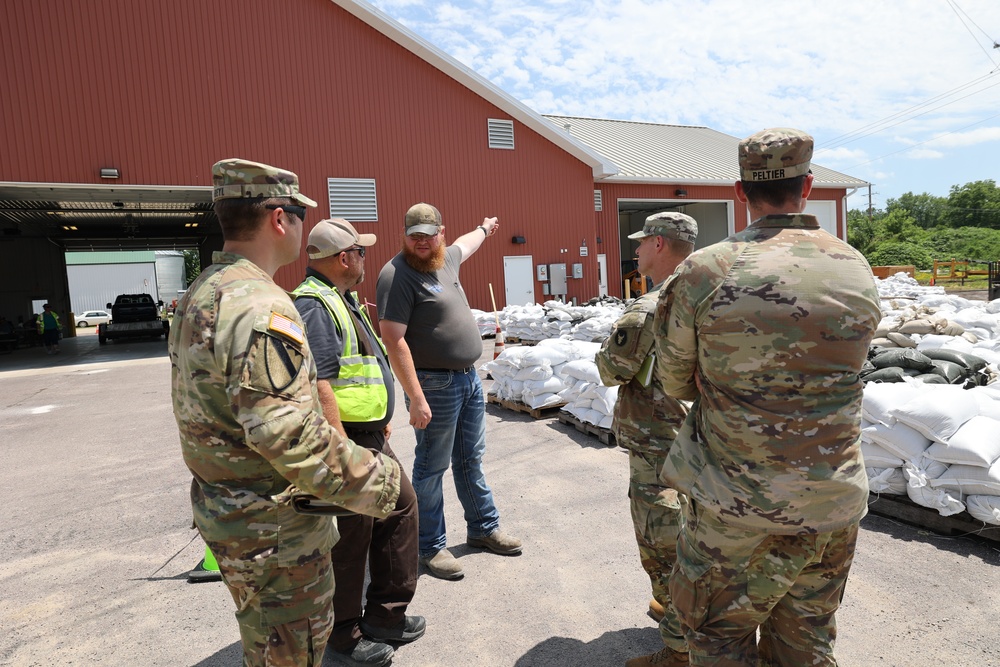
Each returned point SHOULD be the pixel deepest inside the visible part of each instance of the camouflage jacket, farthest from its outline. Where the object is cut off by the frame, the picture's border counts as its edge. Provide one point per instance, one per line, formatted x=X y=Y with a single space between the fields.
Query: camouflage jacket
x=251 y=424
x=767 y=331
x=646 y=418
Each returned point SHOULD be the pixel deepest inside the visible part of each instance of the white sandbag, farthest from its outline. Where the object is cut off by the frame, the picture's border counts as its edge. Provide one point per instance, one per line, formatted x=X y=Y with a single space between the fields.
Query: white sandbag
x=900 y=439
x=582 y=369
x=876 y=456
x=605 y=400
x=541 y=400
x=975 y=317
x=970 y=480
x=933 y=341
x=553 y=385
x=549 y=352
x=976 y=443
x=882 y=397
x=984 y=508
x=886 y=480
x=539 y=372
x=607 y=422
x=920 y=472
x=946 y=502
x=586 y=415
x=938 y=412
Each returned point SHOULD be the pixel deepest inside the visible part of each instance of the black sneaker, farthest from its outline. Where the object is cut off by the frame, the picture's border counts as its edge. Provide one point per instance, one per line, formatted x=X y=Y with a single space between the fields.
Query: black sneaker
x=407 y=630
x=366 y=652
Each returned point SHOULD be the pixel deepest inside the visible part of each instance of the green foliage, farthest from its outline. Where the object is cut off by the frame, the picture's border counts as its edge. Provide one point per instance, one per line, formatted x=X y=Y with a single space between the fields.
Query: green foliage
x=192 y=265
x=964 y=243
x=899 y=253
x=975 y=204
x=926 y=210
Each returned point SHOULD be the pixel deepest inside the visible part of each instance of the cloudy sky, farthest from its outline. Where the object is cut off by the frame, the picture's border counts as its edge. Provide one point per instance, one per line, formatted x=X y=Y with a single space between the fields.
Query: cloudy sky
x=904 y=94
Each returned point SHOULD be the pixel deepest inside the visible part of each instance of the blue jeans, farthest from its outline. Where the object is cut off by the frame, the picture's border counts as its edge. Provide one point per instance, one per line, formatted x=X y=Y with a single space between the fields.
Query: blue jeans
x=455 y=435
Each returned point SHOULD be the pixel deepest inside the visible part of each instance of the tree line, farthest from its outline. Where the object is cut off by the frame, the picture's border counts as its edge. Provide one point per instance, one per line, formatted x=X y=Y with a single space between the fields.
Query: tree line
x=918 y=229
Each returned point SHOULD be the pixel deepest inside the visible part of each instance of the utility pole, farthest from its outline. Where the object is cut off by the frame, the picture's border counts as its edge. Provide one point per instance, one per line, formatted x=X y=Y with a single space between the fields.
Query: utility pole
x=869 y=202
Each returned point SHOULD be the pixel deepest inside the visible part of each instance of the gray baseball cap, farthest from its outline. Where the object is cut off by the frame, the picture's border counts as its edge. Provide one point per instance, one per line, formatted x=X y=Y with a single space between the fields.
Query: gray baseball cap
x=423 y=219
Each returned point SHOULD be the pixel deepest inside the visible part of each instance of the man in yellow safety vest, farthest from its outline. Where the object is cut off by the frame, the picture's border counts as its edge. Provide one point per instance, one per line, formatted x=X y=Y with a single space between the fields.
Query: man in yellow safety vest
x=357 y=391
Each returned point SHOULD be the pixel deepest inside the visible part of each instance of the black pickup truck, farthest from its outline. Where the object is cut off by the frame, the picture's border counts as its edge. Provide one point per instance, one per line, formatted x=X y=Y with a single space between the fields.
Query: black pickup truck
x=133 y=316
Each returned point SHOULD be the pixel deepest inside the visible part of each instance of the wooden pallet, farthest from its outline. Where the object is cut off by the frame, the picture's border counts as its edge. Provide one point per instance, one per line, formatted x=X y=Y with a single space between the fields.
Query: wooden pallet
x=518 y=406
x=903 y=509
x=514 y=340
x=604 y=435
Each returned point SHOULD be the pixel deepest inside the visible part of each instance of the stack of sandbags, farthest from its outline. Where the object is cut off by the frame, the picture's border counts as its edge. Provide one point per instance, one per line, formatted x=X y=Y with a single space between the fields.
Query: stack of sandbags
x=902 y=286
x=555 y=319
x=939 y=444
x=487 y=322
x=533 y=375
x=931 y=365
x=586 y=398
x=902 y=327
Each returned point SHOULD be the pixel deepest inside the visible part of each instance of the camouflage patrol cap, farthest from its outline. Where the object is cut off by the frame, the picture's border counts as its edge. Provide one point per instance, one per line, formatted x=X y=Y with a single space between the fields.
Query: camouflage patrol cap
x=335 y=235
x=775 y=154
x=423 y=219
x=669 y=224
x=236 y=179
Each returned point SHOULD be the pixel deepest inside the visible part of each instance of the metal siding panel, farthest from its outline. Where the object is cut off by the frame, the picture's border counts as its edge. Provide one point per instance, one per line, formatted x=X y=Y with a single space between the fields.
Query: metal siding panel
x=163 y=90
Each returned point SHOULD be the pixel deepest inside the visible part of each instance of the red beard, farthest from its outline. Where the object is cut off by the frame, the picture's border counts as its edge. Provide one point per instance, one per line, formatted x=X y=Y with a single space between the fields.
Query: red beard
x=432 y=263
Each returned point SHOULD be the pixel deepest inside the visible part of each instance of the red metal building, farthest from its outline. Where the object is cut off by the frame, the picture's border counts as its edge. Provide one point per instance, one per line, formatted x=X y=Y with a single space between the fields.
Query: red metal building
x=115 y=110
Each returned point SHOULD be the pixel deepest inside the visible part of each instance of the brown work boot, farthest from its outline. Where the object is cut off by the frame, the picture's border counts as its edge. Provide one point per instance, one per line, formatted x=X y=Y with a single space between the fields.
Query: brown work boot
x=443 y=565
x=665 y=657
x=656 y=610
x=498 y=542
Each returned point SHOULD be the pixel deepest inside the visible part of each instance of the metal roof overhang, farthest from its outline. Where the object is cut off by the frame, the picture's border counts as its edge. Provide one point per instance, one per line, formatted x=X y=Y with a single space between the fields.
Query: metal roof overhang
x=80 y=216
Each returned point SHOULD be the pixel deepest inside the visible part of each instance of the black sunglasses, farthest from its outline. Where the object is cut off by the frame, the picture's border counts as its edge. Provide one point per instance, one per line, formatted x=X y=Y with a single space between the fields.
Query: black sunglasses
x=298 y=211
x=358 y=249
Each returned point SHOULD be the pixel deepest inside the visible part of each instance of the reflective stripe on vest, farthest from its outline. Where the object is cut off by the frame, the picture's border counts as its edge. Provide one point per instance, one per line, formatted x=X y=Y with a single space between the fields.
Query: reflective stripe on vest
x=360 y=389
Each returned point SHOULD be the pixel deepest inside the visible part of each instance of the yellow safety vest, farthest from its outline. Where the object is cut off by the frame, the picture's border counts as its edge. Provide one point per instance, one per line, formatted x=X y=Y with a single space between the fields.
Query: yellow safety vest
x=360 y=389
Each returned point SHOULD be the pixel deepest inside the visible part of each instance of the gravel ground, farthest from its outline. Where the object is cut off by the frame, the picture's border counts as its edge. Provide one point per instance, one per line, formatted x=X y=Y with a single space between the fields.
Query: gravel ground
x=99 y=544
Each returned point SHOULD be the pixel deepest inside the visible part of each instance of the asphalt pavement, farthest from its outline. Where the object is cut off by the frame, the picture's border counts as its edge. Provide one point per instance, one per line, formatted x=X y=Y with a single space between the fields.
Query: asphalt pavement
x=99 y=544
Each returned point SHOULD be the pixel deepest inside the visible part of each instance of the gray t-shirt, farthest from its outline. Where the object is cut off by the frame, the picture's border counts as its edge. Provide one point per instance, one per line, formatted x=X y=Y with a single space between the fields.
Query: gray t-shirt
x=440 y=329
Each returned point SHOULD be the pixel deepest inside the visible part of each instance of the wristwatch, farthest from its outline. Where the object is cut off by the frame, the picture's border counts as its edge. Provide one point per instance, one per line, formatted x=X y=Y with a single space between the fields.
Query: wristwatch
x=485 y=233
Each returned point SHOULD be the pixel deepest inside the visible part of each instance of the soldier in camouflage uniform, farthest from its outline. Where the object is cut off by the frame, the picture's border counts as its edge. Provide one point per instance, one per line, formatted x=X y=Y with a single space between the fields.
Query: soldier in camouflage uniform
x=766 y=332
x=646 y=419
x=252 y=430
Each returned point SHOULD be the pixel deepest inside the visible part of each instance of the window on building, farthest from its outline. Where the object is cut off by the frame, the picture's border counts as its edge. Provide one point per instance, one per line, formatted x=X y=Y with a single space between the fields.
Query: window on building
x=353 y=199
x=501 y=133
x=598 y=200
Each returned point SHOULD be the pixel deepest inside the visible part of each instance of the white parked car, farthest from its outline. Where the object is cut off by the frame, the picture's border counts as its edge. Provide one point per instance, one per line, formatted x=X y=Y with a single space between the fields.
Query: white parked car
x=92 y=318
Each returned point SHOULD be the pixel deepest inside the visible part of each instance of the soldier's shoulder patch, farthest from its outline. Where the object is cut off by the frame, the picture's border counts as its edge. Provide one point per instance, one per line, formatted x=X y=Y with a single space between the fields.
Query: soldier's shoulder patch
x=621 y=337
x=285 y=326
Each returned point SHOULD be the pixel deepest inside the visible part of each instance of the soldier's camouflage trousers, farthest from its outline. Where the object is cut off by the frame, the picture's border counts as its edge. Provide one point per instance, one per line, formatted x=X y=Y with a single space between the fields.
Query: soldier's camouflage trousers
x=729 y=581
x=657 y=513
x=285 y=614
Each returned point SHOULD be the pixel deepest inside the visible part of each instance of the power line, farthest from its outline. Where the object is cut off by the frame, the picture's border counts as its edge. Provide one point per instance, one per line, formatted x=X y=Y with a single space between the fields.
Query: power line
x=906 y=114
x=925 y=142
x=955 y=8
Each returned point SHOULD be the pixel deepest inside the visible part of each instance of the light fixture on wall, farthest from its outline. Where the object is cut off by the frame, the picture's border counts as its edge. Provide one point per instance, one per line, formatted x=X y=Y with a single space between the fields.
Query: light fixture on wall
x=110 y=172
x=681 y=192
x=518 y=239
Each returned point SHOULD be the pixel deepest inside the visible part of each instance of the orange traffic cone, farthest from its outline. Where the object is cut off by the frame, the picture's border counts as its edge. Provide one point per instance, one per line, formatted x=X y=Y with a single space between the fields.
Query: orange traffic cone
x=498 y=343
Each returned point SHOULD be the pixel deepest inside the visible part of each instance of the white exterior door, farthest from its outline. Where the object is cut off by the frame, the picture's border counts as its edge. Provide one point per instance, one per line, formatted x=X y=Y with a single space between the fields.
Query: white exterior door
x=518 y=280
x=602 y=275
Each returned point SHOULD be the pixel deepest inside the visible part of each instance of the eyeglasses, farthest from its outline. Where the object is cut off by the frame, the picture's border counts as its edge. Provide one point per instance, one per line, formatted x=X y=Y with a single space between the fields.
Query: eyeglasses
x=420 y=237
x=298 y=211
x=358 y=249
